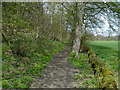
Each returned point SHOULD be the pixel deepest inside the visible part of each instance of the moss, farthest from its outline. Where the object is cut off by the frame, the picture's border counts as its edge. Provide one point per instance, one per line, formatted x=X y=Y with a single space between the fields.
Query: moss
x=105 y=75
x=109 y=82
x=101 y=64
x=91 y=57
x=90 y=52
x=106 y=72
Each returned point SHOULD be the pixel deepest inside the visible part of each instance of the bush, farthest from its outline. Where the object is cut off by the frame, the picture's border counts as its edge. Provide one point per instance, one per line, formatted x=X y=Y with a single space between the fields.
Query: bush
x=84 y=41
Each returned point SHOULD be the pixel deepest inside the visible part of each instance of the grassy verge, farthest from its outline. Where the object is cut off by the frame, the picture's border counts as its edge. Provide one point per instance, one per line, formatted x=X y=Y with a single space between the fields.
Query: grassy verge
x=108 y=52
x=85 y=77
x=18 y=72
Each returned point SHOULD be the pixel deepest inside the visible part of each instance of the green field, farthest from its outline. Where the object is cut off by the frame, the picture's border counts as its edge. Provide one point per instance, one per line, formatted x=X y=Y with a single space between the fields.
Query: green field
x=108 y=52
x=108 y=44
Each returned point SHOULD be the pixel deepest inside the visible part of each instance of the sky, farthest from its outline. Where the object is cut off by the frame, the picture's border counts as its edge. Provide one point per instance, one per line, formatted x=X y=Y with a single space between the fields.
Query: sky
x=105 y=29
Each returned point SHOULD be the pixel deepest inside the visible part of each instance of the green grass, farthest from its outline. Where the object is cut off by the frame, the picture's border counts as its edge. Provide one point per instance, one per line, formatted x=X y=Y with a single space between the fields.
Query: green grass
x=19 y=72
x=110 y=44
x=108 y=52
x=85 y=77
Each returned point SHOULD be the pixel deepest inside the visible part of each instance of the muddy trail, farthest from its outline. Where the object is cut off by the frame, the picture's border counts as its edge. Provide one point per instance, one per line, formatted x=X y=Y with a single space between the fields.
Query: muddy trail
x=59 y=73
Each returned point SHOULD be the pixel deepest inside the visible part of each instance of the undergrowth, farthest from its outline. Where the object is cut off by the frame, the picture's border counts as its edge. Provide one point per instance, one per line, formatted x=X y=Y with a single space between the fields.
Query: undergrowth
x=85 y=77
x=19 y=72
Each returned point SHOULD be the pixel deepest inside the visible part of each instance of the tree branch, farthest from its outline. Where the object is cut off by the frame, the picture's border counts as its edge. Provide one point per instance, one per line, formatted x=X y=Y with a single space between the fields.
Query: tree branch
x=68 y=9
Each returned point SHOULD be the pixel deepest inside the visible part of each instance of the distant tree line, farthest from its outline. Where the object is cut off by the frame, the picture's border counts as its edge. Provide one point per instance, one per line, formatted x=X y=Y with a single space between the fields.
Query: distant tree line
x=106 y=38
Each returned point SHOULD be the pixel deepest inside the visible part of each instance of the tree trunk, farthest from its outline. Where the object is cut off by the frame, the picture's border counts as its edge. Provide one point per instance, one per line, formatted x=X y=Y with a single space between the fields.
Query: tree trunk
x=41 y=29
x=78 y=30
x=76 y=43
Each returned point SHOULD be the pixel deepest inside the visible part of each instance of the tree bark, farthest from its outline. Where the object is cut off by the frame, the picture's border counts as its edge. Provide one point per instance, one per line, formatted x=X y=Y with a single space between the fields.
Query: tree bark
x=41 y=20
x=78 y=30
x=76 y=43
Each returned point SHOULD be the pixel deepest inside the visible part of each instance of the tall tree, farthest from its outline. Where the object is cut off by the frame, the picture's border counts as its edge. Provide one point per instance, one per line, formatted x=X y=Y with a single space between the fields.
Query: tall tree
x=79 y=27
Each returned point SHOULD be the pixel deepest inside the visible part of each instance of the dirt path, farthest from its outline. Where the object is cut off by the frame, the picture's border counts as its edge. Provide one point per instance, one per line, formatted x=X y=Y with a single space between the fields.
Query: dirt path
x=59 y=73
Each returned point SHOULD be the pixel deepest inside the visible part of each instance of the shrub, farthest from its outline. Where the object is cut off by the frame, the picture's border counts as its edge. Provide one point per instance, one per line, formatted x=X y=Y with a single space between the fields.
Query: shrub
x=84 y=41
